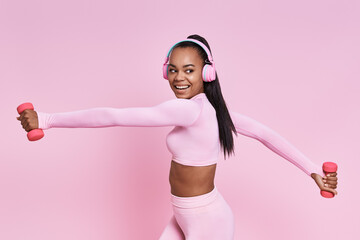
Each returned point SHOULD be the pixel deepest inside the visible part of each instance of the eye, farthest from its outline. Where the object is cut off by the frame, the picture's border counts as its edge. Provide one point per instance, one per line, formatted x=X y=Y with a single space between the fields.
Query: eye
x=172 y=70
x=189 y=71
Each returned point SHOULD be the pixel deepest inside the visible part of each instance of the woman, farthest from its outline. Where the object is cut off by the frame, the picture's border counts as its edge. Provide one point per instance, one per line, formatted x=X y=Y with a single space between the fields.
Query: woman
x=203 y=127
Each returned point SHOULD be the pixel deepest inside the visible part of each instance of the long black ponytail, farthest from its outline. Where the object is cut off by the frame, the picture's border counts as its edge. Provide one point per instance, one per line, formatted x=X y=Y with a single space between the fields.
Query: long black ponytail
x=213 y=93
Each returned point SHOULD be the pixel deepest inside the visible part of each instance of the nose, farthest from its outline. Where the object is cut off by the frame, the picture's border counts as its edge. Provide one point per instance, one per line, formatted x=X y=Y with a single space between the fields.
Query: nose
x=180 y=75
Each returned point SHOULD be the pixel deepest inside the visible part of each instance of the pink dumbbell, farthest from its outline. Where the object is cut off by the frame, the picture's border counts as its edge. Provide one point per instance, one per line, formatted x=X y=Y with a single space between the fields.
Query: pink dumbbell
x=328 y=167
x=34 y=134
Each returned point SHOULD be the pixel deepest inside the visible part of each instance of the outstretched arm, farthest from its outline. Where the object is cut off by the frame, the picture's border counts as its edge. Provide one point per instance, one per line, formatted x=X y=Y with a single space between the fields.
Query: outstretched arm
x=271 y=139
x=176 y=112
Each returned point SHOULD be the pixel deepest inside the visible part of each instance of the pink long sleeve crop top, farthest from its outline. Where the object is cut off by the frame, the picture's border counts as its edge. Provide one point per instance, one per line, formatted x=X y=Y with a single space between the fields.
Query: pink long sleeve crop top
x=193 y=141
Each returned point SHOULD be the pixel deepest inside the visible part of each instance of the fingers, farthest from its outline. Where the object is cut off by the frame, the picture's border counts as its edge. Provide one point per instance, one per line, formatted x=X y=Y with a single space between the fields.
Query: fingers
x=330 y=180
x=330 y=183
x=334 y=174
x=25 y=125
x=26 y=120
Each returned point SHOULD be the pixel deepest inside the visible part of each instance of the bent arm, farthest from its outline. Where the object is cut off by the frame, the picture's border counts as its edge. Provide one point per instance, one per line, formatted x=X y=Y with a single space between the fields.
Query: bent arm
x=271 y=139
x=176 y=112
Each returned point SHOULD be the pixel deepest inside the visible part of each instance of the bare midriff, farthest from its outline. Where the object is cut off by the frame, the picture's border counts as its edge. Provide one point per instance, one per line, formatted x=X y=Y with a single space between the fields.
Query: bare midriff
x=189 y=181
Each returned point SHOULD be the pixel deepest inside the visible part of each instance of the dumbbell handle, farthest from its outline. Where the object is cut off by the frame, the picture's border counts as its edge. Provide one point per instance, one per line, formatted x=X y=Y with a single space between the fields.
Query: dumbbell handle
x=34 y=134
x=328 y=167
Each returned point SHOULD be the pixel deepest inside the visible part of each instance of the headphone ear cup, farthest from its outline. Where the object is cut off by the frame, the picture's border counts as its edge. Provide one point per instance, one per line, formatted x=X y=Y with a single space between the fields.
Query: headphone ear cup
x=208 y=73
x=165 y=70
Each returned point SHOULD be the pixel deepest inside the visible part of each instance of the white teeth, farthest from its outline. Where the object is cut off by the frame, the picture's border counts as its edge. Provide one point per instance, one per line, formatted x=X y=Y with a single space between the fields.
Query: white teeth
x=182 y=87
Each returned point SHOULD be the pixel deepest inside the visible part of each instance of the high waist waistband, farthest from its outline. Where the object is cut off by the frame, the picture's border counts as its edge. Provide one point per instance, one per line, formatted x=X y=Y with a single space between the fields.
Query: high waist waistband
x=196 y=201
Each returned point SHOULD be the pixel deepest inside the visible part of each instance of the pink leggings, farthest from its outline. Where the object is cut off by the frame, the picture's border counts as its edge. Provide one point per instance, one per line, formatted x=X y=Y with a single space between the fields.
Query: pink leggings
x=204 y=217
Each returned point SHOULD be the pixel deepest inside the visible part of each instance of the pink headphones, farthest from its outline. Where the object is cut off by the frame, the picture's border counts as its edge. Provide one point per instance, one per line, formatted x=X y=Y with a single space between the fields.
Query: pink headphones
x=208 y=72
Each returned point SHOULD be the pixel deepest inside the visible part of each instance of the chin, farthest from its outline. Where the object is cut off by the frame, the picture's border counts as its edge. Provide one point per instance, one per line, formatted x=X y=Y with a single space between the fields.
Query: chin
x=181 y=96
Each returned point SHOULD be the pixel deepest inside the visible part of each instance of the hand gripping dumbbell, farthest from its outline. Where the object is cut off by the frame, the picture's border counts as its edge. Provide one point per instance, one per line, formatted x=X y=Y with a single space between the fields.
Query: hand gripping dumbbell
x=34 y=134
x=328 y=167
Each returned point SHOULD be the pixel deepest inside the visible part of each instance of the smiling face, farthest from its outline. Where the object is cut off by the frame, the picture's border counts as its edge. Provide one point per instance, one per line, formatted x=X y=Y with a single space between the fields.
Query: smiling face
x=185 y=72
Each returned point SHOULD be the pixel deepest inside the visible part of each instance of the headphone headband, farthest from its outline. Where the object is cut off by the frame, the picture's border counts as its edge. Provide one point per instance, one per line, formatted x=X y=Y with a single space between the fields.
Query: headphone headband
x=203 y=46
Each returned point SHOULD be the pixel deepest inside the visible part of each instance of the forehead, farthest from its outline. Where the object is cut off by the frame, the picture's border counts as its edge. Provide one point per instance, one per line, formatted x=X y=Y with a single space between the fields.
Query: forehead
x=185 y=55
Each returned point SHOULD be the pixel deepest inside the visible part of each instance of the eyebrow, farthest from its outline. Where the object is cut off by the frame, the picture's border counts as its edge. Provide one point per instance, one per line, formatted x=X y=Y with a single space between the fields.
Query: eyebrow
x=187 y=65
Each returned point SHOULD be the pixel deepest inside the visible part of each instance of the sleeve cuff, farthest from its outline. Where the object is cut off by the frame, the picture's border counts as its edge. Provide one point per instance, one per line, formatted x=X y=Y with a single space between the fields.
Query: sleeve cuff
x=318 y=170
x=43 y=119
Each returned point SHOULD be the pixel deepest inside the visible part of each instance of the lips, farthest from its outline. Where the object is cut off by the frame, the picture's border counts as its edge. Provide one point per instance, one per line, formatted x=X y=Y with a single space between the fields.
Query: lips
x=183 y=87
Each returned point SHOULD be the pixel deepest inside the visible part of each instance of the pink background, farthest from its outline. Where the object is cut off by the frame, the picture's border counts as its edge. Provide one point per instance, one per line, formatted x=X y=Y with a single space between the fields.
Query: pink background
x=292 y=66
